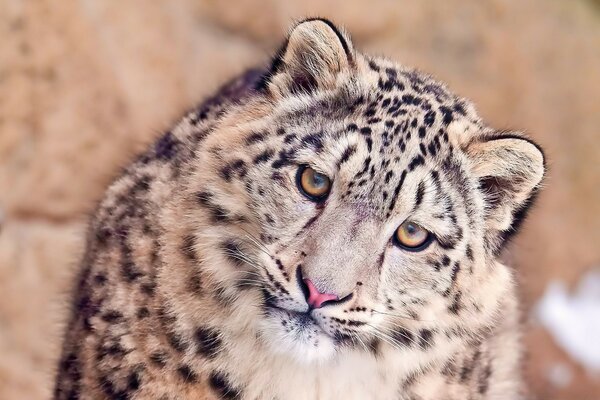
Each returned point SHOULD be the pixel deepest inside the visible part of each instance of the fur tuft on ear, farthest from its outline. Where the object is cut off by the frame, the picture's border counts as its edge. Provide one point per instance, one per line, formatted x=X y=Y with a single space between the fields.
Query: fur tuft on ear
x=510 y=168
x=315 y=52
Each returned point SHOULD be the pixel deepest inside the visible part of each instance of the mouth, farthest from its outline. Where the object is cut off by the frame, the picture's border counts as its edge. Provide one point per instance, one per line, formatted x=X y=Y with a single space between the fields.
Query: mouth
x=303 y=324
x=300 y=320
x=297 y=334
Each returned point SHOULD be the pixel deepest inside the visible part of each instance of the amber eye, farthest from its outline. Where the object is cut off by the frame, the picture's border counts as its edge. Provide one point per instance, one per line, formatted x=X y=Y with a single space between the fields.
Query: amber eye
x=314 y=185
x=411 y=236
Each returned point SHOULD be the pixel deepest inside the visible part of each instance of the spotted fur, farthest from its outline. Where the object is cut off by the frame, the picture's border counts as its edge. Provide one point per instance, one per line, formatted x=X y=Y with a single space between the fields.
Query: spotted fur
x=191 y=284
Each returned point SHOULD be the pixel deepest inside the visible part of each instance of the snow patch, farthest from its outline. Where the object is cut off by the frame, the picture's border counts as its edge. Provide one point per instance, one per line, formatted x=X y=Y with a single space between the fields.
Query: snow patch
x=574 y=319
x=560 y=375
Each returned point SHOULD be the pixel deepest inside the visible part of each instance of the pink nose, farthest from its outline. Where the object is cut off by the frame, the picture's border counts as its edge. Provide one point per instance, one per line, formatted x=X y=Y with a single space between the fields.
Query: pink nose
x=316 y=298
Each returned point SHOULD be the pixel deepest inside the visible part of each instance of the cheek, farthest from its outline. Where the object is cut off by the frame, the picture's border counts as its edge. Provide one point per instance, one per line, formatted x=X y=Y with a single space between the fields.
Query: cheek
x=406 y=273
x=286 y=207
x=286 y=220
x=303 y=208
x=290 y=214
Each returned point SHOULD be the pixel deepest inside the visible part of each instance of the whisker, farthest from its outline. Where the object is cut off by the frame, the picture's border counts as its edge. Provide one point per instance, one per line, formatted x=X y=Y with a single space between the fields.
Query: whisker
x=256 y=242
x=386 y=338
x=246 y=260
x=250 y=284
x=240 y=254
x=385 y=334
x=249 y=241
x=412 y=332
x=400 y=316
x=252 y=273
x=409 y=338
x=357 y=337
x=250 y=280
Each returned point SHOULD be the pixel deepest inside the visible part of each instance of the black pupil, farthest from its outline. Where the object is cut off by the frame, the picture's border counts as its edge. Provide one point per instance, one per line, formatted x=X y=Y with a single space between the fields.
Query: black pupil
x=411 y=229
x=319 y=180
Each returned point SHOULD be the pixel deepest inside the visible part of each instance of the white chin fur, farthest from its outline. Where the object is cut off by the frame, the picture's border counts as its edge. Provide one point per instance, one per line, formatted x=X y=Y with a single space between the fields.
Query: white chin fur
x=304 y=342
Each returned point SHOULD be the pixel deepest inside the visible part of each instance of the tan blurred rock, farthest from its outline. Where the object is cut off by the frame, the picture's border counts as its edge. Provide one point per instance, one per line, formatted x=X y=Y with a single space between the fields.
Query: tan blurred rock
x=37 y=263
x=85 y=83
x=269 y=20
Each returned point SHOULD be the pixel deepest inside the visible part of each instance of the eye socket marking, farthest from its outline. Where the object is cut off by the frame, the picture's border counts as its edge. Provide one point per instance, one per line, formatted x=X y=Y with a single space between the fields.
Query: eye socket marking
x=412 y=237
x=312 y=184
x=316 y=186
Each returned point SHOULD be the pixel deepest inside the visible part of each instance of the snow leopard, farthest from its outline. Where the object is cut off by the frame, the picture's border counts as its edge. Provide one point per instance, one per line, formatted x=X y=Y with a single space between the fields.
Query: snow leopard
x=326 y=227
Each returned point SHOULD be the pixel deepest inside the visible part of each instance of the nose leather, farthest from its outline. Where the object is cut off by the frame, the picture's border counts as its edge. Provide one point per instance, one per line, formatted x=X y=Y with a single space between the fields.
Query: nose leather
x=316 y=298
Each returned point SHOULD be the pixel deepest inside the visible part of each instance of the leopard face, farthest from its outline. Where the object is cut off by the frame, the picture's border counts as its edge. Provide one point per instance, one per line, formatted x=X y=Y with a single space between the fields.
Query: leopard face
x=361 y=204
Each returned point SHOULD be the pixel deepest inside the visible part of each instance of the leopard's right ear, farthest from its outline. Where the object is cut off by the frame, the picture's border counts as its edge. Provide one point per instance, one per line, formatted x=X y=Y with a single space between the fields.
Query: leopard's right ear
x=312 y=58
x=510 y=169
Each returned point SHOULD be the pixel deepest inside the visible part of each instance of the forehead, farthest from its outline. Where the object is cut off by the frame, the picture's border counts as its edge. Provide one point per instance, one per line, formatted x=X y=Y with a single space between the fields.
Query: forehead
x=388 y=104
x=386 y=135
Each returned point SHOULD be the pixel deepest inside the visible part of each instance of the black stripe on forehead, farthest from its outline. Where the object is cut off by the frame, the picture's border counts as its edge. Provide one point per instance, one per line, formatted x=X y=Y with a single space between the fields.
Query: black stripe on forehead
x=365 y=168
x=314 y=141
x=419 y=195
x=435 y=178
x=347 y=153
x=396 y=193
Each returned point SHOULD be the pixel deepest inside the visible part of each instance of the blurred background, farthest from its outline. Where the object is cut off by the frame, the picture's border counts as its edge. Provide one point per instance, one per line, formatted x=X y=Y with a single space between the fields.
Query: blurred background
x=86 y=84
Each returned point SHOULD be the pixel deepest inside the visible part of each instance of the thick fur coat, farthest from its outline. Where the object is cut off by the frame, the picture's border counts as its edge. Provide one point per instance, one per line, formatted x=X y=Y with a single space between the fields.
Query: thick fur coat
x=192 y=281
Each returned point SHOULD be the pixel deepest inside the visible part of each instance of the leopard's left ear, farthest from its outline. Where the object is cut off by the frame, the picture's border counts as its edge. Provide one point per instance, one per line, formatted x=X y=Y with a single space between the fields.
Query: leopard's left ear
x=510 y=169
x=312 y=58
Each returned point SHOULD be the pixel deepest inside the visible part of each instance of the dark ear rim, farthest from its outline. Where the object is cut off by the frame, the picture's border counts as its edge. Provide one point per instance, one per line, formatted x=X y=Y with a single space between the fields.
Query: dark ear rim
x=508 y=134
x=337 y=32
x=277 y=60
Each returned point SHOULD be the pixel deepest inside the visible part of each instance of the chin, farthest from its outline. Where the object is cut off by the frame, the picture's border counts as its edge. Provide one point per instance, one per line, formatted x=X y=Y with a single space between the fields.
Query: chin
x=297 y=336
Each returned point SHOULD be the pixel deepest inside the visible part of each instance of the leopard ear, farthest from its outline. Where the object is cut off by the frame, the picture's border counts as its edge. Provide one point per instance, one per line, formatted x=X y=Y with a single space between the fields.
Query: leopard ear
x=314 y=54
x=510 y=169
